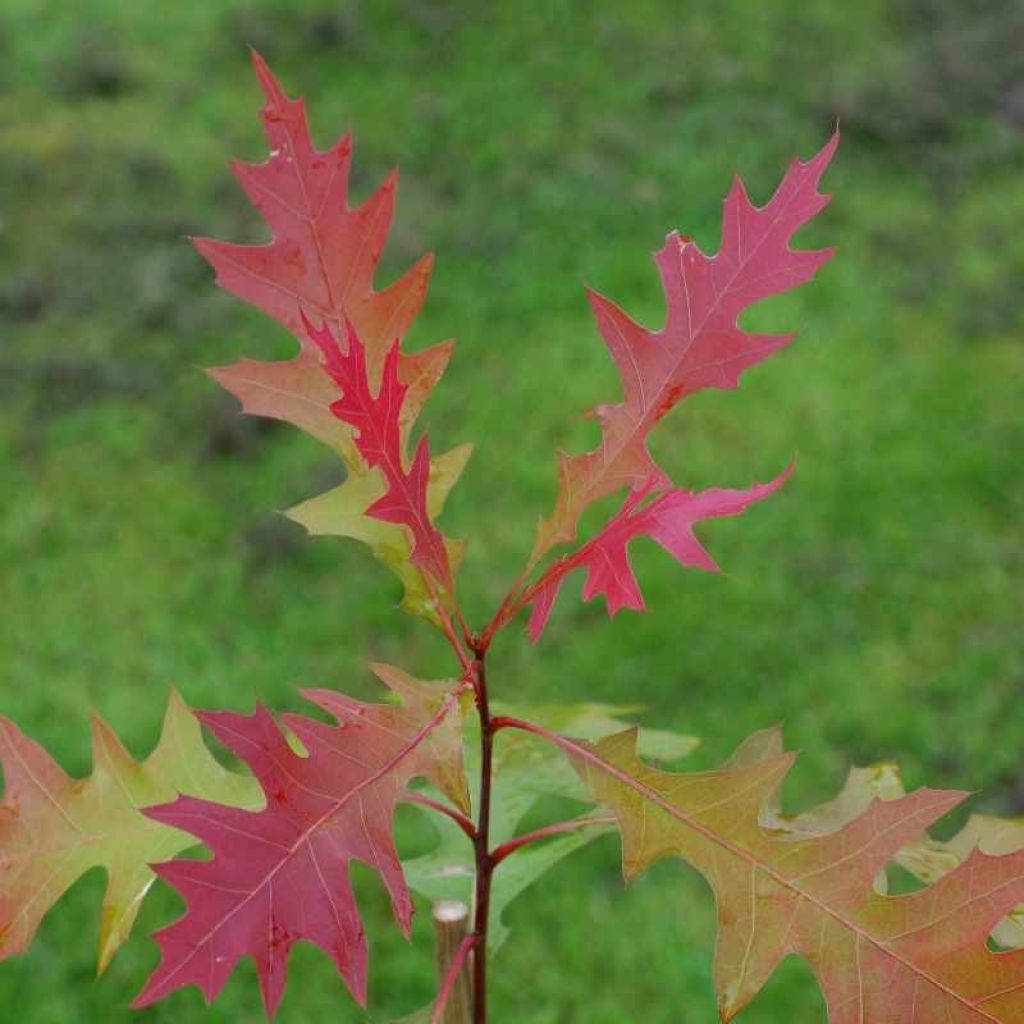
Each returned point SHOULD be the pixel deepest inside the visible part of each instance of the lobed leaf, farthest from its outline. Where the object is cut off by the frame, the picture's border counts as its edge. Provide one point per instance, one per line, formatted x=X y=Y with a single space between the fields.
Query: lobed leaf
x=912 y=959
x=323 y=255
x=701 y=344
x=54 y=828
x=320 y=264
x=281 y=874
x=668 y=519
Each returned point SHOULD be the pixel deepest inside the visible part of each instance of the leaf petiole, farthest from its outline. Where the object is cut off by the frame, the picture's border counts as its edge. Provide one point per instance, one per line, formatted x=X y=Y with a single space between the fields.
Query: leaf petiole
x=411 y=796
x=510 y=847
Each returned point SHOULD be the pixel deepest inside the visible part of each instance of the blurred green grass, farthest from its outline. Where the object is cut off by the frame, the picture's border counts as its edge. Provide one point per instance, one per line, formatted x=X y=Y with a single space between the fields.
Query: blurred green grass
x=874 y=605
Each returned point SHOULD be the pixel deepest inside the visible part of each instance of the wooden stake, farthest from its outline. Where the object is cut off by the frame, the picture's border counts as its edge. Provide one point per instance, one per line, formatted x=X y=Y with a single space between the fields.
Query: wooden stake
x=451 y=921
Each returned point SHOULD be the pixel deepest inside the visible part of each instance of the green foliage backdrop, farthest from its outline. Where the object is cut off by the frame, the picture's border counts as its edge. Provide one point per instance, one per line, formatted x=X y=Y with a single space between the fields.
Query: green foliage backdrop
x=874 y=604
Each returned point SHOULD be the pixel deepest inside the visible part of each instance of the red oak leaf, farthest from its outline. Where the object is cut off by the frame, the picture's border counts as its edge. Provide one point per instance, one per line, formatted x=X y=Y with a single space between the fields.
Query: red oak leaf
x=377 y=421
x=919 y=958
x=320 y=263
x=323 y=255
x=701 y=344
x=668 y=519
x=55 y=828
x=282 y=874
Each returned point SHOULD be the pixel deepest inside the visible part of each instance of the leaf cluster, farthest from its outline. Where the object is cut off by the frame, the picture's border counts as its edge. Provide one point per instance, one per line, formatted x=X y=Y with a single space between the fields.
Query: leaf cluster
x=316 y=796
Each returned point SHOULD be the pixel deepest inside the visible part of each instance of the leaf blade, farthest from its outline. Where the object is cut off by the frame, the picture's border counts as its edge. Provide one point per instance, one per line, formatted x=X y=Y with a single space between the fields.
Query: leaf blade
x=814 y=893
x=281 y=874
x=321 y=262
x=53 y=828
x=700 y=345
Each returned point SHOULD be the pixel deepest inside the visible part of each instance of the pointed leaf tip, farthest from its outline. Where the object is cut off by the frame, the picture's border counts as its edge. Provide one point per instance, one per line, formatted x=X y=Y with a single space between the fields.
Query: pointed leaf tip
x=272 y=91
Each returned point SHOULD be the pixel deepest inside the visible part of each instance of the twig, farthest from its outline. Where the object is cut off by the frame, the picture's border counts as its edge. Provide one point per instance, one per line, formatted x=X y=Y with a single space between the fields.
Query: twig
x=501 y=852
x=412 y=797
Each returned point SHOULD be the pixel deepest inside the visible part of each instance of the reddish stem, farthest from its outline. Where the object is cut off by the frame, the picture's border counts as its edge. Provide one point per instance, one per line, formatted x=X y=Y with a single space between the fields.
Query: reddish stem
x=501 y=852
x=412 y=797
x=467 y=633
x=522 y=593
x=445 y=620
x=444 y=993
x=484 y=860
x=505 y=613
x=508 y=722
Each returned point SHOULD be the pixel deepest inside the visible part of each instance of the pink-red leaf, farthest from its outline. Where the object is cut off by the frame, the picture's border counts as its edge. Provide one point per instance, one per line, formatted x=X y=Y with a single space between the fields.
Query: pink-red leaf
x=281 y=875
x=700 y=345
x=323 y=255
x=377 y=421
x=669 y=519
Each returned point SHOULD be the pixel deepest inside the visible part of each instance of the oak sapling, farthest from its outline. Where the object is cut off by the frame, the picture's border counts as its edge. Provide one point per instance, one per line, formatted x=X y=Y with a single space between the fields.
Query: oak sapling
x=318 y=796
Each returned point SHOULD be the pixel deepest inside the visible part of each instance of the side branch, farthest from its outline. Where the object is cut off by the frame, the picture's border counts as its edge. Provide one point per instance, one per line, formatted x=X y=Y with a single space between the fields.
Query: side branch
x=411 y=796
x=510 y=847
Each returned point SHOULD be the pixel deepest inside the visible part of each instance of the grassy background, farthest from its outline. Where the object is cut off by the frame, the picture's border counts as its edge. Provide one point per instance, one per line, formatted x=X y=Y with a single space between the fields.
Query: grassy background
x=874 y=605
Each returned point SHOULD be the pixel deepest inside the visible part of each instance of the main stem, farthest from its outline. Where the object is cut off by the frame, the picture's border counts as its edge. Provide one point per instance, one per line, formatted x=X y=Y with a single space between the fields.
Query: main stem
x=484 y=860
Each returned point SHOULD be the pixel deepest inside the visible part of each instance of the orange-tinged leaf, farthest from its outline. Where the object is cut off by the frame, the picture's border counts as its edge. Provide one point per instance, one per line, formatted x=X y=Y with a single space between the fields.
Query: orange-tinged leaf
x=984 y=832
x=299 y=392
x=323 y=255
x=54 y=828
x=924 y=857
x=320 y=264
x=914 y=959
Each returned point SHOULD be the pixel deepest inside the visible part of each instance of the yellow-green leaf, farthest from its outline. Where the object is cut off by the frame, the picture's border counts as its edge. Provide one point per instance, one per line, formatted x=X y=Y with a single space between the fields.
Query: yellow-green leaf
x=341 y=512
x=54 y=828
